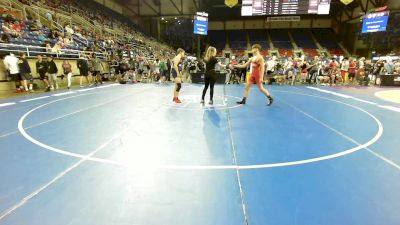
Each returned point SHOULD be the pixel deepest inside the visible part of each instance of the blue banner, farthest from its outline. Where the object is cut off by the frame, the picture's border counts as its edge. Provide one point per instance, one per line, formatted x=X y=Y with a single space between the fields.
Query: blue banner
x=200 y=27
x=375 y=22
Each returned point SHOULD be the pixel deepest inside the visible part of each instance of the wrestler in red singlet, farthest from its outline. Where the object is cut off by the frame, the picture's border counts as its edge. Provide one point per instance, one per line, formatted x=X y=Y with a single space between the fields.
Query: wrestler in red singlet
x=257 y=72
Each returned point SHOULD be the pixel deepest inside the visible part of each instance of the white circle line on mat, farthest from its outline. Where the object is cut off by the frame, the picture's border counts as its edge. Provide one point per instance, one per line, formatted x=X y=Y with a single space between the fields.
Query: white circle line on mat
x=208 y=167
x=215 y=107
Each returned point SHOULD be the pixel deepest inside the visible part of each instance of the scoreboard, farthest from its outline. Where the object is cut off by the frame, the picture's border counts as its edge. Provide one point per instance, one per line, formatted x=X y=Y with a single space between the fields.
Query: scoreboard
x=200 y=23
x=375 y=22
x=285 y=7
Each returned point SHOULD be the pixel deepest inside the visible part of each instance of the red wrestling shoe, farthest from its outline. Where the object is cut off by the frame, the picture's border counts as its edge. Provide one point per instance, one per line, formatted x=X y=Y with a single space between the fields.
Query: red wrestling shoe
x=177 y=100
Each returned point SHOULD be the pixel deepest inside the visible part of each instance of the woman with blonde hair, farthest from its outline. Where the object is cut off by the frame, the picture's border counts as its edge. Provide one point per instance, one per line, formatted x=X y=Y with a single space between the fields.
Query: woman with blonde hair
x=210 y=75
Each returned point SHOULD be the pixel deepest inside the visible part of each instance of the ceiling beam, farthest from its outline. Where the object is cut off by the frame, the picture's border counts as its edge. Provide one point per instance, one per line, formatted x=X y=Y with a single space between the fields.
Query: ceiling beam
x=195 y=5
x=360 y=3
x=132 y=11
x=176 y=7
x=348 y=13
x=373 y=3
x=152 y=8
x=181 y=6
x=138 y=7
x=130 y=8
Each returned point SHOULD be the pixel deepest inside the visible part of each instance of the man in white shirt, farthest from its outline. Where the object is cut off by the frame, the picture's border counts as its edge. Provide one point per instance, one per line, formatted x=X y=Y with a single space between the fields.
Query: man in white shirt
x=344 y=68
x=11 y=65
x=69 y=30
x=270 y=68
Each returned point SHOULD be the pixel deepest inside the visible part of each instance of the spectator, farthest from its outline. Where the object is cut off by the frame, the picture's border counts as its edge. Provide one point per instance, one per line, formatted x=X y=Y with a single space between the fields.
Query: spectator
x=67 y=72
x=83 y=67
x=39 y=24
x=47 y=46
x=41 y=69
x=352 y=70
x=7 y=29
x=25 y=72
x=69 y=30
x=11 y=65
x=97 y=68
x=52 y=72
x=57 y=48
x=49 y=17
x=344 y=69
x=41 y=37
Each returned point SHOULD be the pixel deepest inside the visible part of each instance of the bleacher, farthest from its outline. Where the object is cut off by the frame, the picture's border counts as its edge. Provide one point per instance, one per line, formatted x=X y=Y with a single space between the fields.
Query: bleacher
x=310 y=52
x=303 y=39
x=217 y=38
x=237 y=39
x=285 y=52
x=259 y=37
x=326 y=38
x=280 y=39
x=34 y=43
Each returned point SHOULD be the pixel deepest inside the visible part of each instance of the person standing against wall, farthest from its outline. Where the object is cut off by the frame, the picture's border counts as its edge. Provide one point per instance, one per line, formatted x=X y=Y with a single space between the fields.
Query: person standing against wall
x=11 y=65
x=67 y=72
x=25 y=72
x=41 y=69
x=52 y=72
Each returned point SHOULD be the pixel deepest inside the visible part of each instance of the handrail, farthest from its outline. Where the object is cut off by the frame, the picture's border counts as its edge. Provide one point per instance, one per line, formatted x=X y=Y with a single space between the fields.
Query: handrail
x=64 y=53
x=38 y=9
x=84 y=41
x=10 y=7
x=23 y=8
x=7 y=3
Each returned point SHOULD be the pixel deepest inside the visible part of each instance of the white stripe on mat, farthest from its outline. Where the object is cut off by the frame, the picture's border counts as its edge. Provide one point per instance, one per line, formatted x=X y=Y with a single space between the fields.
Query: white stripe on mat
x=33 y=99
x=7 y=104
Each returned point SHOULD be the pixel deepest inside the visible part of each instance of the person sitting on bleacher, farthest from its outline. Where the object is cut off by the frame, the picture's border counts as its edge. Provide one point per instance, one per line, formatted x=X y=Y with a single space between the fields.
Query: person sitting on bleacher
x=17 y=26
x=69 y=30
x=39 y=24
x=9 y=31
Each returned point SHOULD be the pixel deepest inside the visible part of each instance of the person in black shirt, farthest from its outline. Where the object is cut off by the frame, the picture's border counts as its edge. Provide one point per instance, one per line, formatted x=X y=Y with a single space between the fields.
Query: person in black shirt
x=25 y=72
x=41 y=69
x=52 y=72
x=168 y=71
x=83 y=67
x=210 y=75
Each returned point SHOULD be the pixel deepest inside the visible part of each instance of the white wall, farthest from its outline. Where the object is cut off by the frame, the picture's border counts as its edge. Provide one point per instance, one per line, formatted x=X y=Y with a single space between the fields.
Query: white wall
x=254 y=24
x=216 y=25
x=322 y=23
x=234 y=25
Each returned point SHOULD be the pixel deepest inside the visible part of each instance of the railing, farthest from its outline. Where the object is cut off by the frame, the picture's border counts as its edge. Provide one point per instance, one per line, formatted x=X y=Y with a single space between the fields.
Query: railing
x=41 y=12
x=60 y=14
x=15 y=4
x=80 y=15
x=8 y=5
x=36 y=50
x=81 y=40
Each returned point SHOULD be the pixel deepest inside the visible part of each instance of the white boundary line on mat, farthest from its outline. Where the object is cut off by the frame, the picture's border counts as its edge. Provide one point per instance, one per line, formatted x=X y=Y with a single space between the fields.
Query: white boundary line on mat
x=55 y=179
x=213 y=167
